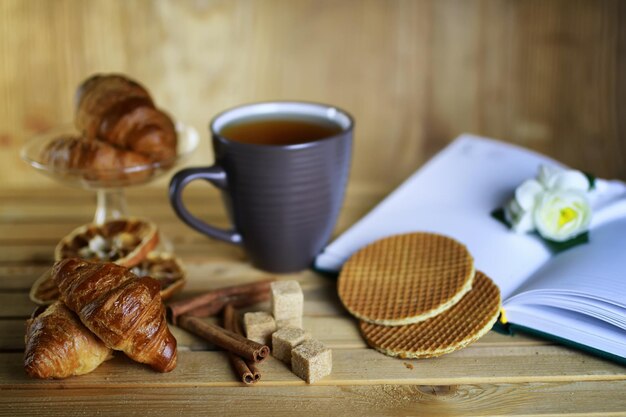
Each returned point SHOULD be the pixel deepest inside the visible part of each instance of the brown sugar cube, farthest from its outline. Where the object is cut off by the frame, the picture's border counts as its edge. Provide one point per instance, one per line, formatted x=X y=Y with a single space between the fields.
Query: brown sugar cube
x=259 y=326
x=287 y=300
x=311 y=360
x=292 y=322
x=284 y=340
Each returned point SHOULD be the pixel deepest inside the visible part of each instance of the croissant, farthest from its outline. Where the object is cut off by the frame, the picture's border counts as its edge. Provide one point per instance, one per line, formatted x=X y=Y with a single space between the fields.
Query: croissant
x=98 y=94
x=121 y=112
x=144 y=130
x=100 y=160
x=58 y=345
x=123 y=310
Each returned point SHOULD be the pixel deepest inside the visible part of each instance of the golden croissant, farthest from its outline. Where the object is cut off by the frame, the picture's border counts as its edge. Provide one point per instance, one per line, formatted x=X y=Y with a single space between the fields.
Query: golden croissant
x=58 y=345
x=120 y=111
x=124 y=311
x=100 y=160
x=98 y=94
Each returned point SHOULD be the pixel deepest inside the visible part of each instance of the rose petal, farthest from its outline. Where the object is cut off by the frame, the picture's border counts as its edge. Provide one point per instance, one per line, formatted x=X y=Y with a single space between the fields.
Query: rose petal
x=521 y=221
x=527 y=193
x=525 y=223
x=546 y=175
x=570 y=180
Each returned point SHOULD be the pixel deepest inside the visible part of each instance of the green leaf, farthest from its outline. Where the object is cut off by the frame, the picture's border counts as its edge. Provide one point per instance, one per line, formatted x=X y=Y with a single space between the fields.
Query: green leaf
x=556 y=247
x=591 y=179
x=499 y=215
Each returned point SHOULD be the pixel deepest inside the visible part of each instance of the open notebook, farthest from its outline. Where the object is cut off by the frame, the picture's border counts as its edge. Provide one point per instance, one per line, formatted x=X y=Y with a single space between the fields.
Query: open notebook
x=578 y=295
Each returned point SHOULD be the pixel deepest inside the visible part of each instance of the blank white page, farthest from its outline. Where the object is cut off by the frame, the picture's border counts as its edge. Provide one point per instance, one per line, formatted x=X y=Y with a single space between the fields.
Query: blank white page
x=596 y=269
x=454 y=194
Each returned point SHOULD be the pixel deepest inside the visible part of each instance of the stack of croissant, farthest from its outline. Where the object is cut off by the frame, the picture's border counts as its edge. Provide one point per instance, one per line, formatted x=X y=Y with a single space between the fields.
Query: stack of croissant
x=119 y=128
x=103 y=307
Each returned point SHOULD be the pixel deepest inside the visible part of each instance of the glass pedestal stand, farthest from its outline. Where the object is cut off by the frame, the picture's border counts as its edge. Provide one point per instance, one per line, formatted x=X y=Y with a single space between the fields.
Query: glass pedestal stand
x=110 y=205
x=109 y=185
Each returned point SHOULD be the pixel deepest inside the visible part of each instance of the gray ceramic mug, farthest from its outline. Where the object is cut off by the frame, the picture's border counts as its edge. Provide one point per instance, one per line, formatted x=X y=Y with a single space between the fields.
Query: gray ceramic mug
x=283 y=200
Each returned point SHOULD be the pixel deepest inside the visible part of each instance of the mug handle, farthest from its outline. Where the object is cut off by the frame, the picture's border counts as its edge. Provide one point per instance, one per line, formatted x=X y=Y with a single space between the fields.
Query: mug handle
x=215 y=175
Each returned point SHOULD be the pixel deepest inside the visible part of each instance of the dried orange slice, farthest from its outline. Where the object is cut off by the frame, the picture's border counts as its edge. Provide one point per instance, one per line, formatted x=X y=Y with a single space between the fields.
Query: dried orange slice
x=125 y=242
x=164 y=267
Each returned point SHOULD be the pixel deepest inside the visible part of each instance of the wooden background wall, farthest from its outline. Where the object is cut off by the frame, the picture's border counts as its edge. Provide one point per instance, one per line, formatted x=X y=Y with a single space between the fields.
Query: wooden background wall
x=546 y=74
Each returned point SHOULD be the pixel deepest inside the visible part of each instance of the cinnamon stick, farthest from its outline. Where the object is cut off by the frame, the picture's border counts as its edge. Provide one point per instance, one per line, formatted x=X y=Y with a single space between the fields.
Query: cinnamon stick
x=232 y=342
x=208 y=310
x=178 y=308
x=231 y=319
x=248 y=372
x=241 y=369
x=236 y=323
x=243 y=300
x=256 y=374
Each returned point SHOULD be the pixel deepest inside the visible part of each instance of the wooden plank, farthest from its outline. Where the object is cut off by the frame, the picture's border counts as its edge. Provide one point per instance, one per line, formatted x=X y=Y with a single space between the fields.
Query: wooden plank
x=20 y=276
x=13 y=331
x=350 y=367
x=321 y=299
x=172 y=228
x=201 y=275
x=47 y=230
x=583 y=399
x=22 y=215
x=15 y=305
x=18 y=305
x=58 y=210
x=358 y=193
x=318 y=303
x=11 y=233
x=206 y=250
x=335 y=332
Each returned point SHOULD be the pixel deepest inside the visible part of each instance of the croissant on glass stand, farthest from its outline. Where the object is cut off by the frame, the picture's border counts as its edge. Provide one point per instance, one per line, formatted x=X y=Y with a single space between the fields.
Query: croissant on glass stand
x=120 y=111
x=67 y=153
x=120 y=128
x=124 y=311
x=98 y=94
x=58 y=345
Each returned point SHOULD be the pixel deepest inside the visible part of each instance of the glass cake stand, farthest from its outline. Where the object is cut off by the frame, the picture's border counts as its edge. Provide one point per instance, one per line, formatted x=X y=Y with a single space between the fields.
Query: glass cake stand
x=109 y=185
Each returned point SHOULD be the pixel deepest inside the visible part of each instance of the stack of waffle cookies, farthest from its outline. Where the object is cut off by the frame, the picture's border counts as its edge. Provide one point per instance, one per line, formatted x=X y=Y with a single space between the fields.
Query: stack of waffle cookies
x=418 y=295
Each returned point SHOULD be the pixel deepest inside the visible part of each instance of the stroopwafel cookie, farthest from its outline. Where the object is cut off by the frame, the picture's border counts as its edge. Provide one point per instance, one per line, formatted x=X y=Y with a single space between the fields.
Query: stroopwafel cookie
x=455 y=328
x=405 y=278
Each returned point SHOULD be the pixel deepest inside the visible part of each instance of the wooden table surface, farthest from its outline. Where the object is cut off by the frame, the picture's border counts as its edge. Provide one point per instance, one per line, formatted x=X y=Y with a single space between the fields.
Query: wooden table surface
x=498 y=375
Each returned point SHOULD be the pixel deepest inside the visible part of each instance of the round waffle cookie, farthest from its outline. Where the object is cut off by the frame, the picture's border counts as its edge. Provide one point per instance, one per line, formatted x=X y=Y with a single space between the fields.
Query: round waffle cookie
x=455 y=328
x=405 y=278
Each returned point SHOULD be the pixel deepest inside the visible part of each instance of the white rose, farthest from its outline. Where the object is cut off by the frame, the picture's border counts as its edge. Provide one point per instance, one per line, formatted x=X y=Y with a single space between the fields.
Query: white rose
x=519 y=211
x=560 y=215
x=553 y=178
